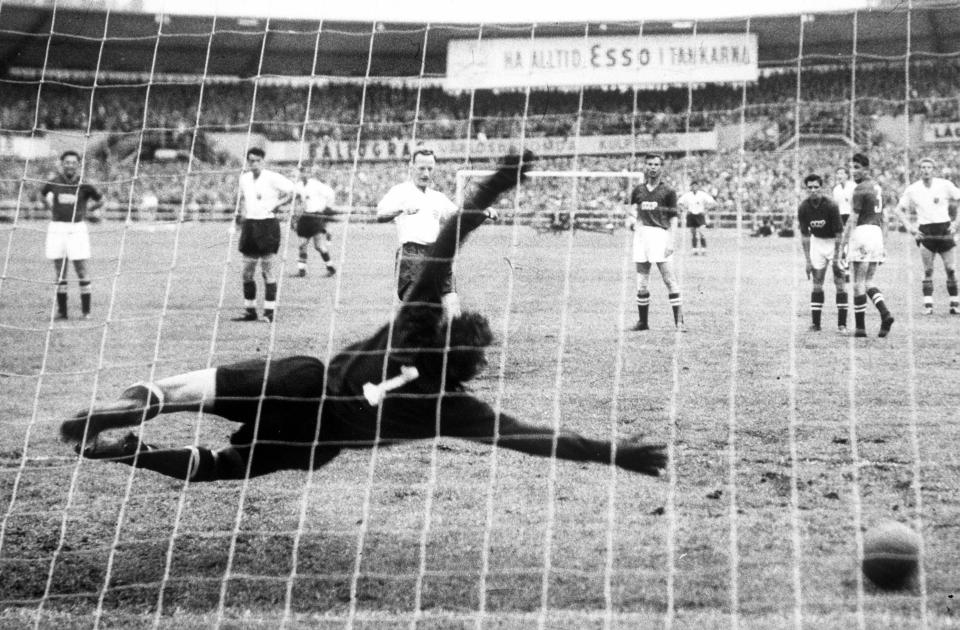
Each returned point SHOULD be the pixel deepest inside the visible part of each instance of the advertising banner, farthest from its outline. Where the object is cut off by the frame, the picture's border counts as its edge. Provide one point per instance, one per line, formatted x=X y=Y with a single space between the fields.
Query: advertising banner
x=570 y=62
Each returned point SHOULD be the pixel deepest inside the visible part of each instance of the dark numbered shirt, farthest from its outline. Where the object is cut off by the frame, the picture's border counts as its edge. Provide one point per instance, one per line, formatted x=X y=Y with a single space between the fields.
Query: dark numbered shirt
x=867 y=203
x=70 y=198
x=821 y=220
x=655 y=208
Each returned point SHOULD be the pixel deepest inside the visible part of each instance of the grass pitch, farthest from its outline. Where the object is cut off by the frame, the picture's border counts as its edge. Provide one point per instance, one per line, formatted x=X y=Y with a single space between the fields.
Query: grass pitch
x=786 y=445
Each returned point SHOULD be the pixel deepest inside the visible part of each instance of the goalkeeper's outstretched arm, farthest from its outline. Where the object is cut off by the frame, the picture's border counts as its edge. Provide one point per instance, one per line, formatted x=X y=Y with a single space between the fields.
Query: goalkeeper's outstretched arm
x=456 y=229
x=468 y=418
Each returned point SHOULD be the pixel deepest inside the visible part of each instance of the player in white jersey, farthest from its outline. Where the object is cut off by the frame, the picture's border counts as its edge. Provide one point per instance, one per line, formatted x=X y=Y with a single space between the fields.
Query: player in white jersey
x=418 y=209
x=843 y=192
x=935 y=231
x=697 y=203
x=843 y=197
x=310 y=219
x=264 y=193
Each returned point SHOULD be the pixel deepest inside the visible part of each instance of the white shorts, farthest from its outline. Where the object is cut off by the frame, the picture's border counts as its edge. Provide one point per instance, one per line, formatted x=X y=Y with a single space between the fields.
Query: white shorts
x=866 y=244
x=821 y=252
x=68 y=240
x=650 y=244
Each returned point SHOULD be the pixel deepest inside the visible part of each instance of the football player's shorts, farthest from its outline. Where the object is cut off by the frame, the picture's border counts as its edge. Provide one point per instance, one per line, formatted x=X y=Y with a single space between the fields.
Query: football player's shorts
x=260 y=237
x=866 y=244
x=67 y=240
x=310 y=224
x=821 y=251
x=936 y=237
x=696 y=219
x=650 y=244
x=411 y=258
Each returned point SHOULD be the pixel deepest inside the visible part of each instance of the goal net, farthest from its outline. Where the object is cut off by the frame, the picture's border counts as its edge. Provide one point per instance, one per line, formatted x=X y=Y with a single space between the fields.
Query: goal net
x=785 y=445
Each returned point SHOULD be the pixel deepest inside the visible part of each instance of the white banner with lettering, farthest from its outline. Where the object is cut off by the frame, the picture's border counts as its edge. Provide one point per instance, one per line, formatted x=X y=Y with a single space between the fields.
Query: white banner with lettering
x=624 y=61
x=941 y=132
x=381 y=150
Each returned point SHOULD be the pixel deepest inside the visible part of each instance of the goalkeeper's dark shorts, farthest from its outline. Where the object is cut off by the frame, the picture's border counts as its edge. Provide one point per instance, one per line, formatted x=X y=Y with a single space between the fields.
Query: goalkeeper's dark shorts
x=260 y=237
x=936 y=237
x=278 y=405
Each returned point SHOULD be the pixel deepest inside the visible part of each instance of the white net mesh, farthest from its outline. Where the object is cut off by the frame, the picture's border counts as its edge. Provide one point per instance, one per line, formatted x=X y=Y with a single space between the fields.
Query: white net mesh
x=784 y=445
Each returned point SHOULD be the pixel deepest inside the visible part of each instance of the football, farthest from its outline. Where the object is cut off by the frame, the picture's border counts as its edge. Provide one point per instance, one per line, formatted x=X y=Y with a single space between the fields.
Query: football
x=891 y=554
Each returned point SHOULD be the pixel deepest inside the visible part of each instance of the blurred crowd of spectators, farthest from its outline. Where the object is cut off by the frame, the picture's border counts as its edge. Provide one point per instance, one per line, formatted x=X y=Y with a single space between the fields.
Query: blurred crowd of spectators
x=339 y=111
x=756 y=183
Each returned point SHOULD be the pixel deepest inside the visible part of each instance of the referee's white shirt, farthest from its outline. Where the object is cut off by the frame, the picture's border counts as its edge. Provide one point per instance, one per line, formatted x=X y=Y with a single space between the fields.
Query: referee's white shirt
x=261 y=195
x=932 y=203
x=432 y=208
x=316 y=195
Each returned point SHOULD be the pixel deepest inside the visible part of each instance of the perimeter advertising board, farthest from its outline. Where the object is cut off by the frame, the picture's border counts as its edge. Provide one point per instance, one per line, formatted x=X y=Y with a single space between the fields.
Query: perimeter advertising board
x=571 y=62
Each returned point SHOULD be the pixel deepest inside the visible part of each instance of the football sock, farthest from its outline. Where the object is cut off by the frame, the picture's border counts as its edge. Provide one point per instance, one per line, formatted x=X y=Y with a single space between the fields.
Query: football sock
x=693 y=240
x=643 y=306
x=62 y=298
x=675 y=305
x=952 y=288
x=270 y=299
x=85 y=297
x=842 y=303
x=860 y=311
x=816 y=306
x=927 y=287
x=874 y=294
x=250 y=296
x=703 y=242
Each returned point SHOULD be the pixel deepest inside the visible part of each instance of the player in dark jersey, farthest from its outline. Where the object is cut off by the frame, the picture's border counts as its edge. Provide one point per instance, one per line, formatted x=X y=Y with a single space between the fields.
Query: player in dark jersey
x=654 y=223
x=863 y=243
x=70 y=203
x=405 y=382
x=820 y=225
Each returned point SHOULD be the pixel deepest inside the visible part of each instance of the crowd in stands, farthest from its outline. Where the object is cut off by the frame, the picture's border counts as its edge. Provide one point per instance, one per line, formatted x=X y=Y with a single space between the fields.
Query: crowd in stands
x=763 y=181
x=755 y=183
x=338 y=111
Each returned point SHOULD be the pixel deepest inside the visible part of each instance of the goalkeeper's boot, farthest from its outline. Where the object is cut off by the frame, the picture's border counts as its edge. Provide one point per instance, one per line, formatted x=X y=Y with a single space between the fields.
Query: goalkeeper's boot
x=120 y=449
x=138 y=403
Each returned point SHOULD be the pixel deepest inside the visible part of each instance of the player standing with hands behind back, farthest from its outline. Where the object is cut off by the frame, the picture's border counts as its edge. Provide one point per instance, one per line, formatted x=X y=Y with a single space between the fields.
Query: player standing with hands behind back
x=654 y=239
x=264 y=193
x=863 y=241
x=69 y=202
